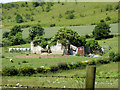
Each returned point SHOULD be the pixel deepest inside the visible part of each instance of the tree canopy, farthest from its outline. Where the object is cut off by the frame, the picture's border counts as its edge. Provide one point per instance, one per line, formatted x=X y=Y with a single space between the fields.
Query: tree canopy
x=68 y=36
x=15 y=30
x=92 y=43
x=36 y=30
x=40 y=40
x=102 y=30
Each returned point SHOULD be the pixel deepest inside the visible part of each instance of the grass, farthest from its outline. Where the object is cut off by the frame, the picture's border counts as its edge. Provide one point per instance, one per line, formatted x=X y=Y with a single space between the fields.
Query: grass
x=102 y=71
x=106 y=70
x=37 y=62
x=86 y=13
x=82 y=30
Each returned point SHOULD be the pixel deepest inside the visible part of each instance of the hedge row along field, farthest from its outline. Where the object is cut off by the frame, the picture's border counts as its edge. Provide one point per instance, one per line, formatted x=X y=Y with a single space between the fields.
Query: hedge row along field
x=28 y=70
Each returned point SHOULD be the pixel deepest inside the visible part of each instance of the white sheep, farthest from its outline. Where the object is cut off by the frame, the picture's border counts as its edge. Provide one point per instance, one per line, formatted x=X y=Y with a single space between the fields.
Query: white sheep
x=42 y=67
x=11 y=60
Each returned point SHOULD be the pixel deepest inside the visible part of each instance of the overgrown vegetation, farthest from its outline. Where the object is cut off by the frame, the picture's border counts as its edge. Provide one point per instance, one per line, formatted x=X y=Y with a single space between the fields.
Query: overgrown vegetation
x=84 y=14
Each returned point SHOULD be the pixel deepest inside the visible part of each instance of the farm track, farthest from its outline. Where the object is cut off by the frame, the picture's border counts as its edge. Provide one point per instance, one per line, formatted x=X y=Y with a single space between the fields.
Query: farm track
x=41 y=56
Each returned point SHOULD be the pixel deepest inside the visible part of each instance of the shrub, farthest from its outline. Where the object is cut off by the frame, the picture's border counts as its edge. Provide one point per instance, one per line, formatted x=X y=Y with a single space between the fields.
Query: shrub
x=111 y=55
x=26 y=70
x=116 y=58
x=52 y=25
x=53 y=68
x=40 y=70
x=78 y=54
x=107 y=18
x=2 y=56
x=24 y=61
x=63 y=66
x=102 y=61
x=70 y=16
x=87 y=36
x=10 y=71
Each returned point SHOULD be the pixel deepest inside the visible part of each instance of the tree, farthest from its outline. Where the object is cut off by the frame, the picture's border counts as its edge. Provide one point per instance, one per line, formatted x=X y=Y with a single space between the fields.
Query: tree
x=19 y=18
x=68 y=36
x=15 y=30
x=6 y=42
x=102 y=30
x=92 y=43
x=36 y=30
x=5 y=34
x=18 y=39
x=35 y=4
x=40 y=40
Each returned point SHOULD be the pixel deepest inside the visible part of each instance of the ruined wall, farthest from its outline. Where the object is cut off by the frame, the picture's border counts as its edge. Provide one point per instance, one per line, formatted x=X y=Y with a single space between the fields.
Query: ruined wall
x=57 y=49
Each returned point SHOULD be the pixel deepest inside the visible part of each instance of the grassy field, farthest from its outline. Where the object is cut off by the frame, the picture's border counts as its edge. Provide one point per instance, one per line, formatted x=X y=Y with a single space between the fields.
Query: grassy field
x=82 y=30
x=86 y=13
x=37 y=61
x=107 y=70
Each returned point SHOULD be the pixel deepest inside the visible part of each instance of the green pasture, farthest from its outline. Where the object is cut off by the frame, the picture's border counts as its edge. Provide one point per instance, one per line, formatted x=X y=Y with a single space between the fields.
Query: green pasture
x=82 y=30
x=86 y=13
x=107 y=70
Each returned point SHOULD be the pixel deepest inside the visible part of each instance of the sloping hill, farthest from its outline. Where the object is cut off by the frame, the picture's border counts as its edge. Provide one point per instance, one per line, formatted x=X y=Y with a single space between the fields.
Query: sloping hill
x=59 y=14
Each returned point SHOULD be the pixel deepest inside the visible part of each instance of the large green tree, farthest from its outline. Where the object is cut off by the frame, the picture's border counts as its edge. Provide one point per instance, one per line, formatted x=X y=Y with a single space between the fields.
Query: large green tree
x=15 y=30
x=67 y=36
x=36 y=30
x=102 y=30
x=40 y=40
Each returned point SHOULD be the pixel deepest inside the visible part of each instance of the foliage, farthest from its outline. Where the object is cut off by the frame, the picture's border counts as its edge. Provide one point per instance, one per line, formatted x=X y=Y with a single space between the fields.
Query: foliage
x=17 y=40
x=107 y=18
x=102 y=30
x=54 y=68
x=10 y=71
x=52 y=25
x=69 y=14
x=92 y=43
x=5 y=34
x=63 y=66
x=35 y=30
x=26 y=71
x=40 y=70
x=39 y=40
x=15 y=30
x=111 y=55
x=19 y=18
x=68 y=36
x=35 y=4
x=6 y=42
x=24 y=61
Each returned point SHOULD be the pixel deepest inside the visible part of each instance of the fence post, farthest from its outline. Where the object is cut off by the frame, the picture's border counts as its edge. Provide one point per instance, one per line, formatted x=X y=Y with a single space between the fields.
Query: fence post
x=90 y=77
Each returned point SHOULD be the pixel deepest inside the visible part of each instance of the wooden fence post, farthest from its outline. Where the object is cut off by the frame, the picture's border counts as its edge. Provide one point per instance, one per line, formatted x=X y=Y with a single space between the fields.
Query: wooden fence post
x=90 y=77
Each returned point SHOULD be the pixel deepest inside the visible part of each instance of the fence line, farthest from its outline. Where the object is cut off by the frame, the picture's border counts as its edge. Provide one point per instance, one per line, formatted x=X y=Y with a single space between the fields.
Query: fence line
x=75 y=77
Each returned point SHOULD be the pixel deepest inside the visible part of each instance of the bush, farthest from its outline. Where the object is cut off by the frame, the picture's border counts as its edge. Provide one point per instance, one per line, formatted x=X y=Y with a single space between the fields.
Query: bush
x=116 y=58
x=102 y=61
x=107 y=18
x=24 y=61
x=111 y=55
x=26 y=71
x=52 y=25
x=10 y=71
x=2 y=56
x=54 y=68
x=63 y=66
x=40 y=70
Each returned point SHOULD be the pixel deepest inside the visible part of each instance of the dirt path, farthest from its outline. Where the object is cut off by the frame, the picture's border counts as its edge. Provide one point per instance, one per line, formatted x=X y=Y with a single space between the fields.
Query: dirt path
x=41 y=56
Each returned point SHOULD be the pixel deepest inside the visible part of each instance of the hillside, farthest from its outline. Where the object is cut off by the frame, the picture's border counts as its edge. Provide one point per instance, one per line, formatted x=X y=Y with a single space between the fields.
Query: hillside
x=59 y=14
